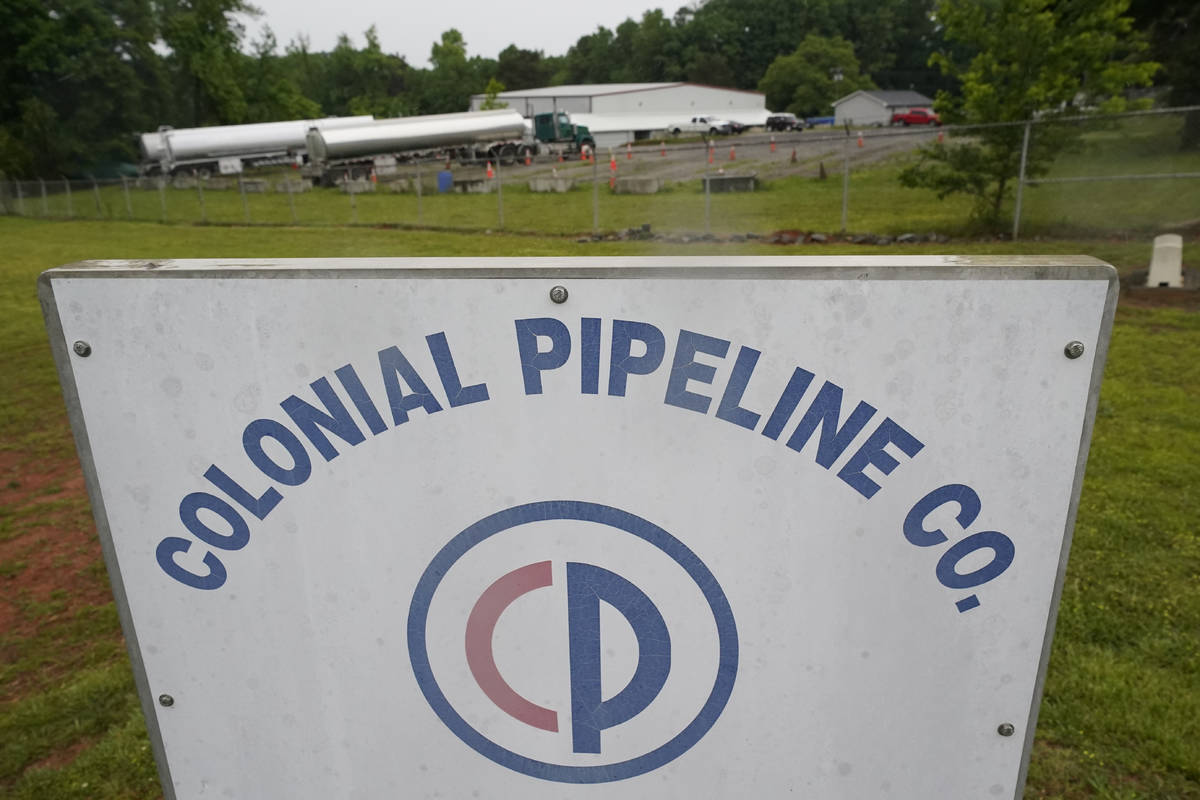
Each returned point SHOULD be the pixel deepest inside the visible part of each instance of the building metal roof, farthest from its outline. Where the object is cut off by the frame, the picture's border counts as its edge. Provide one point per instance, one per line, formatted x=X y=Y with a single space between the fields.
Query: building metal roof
x=598 y=89
x=890 y=98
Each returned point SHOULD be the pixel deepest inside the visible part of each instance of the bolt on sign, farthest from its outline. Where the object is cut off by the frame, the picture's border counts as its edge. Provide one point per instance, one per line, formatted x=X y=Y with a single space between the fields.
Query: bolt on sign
x=673 y=527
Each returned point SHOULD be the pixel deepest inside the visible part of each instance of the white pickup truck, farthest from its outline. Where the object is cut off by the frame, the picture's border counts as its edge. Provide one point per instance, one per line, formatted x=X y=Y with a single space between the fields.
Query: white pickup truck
x=711 y=125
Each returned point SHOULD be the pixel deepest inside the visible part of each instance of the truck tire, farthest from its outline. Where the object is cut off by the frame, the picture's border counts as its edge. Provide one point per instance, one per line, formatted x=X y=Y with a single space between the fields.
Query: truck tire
x=676 y=132
x=507 y=154
x=713 y=132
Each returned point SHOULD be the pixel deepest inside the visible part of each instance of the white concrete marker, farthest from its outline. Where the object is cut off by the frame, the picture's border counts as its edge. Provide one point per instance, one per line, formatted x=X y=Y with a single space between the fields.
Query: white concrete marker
x=1166 y=265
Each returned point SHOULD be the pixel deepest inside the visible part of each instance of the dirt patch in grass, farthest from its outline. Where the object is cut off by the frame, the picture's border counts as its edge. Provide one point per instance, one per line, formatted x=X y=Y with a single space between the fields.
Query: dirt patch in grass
x=52 y=578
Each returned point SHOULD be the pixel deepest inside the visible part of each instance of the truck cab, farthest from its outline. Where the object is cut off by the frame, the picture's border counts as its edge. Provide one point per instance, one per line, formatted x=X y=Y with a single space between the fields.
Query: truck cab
x=556 y=128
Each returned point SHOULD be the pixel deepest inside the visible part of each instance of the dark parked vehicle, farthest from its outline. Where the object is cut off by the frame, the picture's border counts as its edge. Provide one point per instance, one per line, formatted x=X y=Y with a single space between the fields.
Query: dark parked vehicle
x=784 y=122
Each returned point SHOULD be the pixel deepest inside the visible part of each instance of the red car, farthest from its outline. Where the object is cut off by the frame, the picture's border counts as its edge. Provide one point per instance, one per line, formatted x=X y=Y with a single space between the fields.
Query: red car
x=916 y=116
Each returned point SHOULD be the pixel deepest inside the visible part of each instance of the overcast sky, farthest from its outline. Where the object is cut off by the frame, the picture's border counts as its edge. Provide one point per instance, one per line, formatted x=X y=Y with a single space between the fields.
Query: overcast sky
x=410 y=29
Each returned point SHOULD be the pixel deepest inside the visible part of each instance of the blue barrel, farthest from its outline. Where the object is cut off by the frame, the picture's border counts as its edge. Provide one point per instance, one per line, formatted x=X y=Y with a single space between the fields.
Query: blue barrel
x=445 y=181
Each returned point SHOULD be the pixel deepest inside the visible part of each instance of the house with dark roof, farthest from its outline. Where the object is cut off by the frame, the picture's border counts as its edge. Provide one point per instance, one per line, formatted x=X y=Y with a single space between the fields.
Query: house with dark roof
x=876 y=106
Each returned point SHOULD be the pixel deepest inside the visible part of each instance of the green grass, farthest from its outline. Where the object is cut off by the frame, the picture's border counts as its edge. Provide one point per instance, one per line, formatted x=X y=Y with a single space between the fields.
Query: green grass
x=1119 y=720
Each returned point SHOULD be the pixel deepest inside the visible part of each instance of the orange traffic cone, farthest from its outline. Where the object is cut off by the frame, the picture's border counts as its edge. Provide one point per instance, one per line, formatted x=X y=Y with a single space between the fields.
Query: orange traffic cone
x=860 y=141
x=612 y=164
x=662 y=149
x=941 y=136
x=772 y=143
x=793 y=155
x=374 y=179
x=628 y=151
x=711 y=153
x=491 y=173
x=528 y=158
x=732 y=154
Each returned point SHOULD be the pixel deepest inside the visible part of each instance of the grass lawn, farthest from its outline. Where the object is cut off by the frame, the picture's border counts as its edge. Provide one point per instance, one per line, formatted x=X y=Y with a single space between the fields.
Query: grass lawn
x=1121 y=715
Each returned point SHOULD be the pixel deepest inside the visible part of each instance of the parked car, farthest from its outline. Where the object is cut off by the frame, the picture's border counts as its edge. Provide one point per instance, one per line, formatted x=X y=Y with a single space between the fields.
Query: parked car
x=916 y=116
x=711 y=125
x=784 y=122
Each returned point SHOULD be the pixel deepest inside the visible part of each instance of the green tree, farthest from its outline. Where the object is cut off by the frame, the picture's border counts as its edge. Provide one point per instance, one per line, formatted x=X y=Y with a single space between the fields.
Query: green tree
x=79 y=77
x=490 y=102
x=270 y=92
x=808 y=80
x=449 y=85
x=204 y=37
x=1174 y=29
x=1032 y=58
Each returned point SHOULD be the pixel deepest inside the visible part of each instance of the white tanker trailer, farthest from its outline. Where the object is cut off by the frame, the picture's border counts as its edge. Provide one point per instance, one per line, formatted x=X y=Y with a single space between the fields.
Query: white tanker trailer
x=468 y=135
x=232 y=146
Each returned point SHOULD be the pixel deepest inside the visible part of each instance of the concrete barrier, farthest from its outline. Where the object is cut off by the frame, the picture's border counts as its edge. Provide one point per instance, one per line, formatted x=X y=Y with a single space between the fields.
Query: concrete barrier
x=731 y=183
x=1166 y=263
x=474 y=185
x=357 y=186
x=296 y=185
x=551 y=185
x=637 y=185
x=255 y=186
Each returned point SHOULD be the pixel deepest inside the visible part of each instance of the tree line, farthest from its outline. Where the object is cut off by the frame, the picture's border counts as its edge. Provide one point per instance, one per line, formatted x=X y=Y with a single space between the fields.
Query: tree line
x=81 y=77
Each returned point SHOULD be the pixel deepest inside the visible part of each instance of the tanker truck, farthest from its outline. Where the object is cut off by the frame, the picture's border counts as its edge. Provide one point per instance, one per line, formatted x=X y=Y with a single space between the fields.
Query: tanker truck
x=502 y=136
x=229 y=148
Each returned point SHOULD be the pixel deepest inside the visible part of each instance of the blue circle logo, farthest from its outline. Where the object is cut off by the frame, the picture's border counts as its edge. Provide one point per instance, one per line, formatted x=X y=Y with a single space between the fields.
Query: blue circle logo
x=594 y=726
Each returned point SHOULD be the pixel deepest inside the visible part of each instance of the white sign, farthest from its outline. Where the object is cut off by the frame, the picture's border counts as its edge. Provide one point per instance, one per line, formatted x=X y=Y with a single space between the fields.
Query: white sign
x=229 y=166
x=675 y=528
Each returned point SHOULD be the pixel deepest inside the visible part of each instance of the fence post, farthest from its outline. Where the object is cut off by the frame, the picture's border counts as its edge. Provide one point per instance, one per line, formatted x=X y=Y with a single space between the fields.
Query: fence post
x=287 y=183
x=1021 y=182
x=595 y=195
x=125 y=189
x=96 y=196
x=245 y=203
x=845 y=180
x=70 y=203
x=20 y=200
x=45 y=203
x=353 y=200
x=707 y=195
x=162 y=198
x=500 y=191
x=200 y=192
x=418 y=192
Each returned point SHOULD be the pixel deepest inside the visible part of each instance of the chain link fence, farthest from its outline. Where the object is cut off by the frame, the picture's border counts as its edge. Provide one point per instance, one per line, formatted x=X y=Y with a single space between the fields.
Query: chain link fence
x=1086 y=175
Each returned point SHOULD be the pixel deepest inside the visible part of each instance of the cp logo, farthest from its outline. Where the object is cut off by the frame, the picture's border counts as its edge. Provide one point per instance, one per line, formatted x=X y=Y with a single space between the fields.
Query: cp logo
x=606 y=660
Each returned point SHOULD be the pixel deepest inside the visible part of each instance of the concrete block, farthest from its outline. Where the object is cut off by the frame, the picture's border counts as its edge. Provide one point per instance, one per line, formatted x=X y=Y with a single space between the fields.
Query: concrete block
x=474 y=185
x=1166 y=263
x=731 y=183
x=357 y=186
x=297 y=185
x=551 y=185
x=255 y=186
x=637 y=185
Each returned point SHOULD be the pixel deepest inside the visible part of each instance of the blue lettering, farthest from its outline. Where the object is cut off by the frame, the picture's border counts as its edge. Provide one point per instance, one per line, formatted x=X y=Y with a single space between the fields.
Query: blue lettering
x=456 y=394
x=685 y=368
x=362 y=401
x=392 y=363
x=258 y=506
x=872 y=452
x=622 y=364
x=165 y=554
x=534 y=361
x=589 y=354
x=968 y=509
x=797 y=385
x=334 y=418
x=252 y=439
x=824 y=412
x=730 y=408
x=189 y=514
x=1003 y=553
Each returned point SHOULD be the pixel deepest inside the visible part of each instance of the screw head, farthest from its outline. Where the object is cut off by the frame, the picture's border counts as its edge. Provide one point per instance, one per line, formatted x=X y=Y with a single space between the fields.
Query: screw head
x=82 y=349
x=559 y=294
x=166 y=700
x=1006 y=729
x=1073 y=349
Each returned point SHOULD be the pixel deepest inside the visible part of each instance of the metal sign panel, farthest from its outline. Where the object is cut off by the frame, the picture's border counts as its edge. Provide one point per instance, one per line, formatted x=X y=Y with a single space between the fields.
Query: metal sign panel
x=667 y=527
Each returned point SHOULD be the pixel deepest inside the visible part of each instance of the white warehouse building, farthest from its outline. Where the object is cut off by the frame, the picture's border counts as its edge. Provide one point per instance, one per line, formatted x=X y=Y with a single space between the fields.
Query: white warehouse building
x=621 y=112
